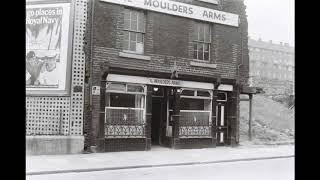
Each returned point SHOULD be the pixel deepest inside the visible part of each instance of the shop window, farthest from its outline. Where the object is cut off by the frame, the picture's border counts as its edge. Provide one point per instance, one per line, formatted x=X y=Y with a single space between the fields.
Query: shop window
x=134 y=88
x=195 y=113
x=222 y=96
x=125 y=104
x=116 y=87
x=203 y=93
x=187 y=93
x=126 y=100
x=134 y=30
x=198 y=101
x=201 y=41
x=192 y=104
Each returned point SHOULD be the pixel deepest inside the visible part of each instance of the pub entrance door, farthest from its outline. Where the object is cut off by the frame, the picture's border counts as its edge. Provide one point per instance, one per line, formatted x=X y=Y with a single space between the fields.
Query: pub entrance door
x=158 y=115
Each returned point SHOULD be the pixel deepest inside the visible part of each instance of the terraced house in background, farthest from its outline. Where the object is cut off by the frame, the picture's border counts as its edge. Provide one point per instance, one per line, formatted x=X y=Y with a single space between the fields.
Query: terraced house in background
x=150 y=72
x=272 y=66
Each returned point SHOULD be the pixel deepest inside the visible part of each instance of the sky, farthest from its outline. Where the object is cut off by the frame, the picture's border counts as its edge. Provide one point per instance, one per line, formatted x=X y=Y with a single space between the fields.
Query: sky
x=271 y=20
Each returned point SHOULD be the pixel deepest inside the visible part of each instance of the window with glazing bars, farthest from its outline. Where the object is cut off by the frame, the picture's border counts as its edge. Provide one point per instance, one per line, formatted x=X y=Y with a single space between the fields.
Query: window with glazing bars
x=134 y=29
x=201 y=41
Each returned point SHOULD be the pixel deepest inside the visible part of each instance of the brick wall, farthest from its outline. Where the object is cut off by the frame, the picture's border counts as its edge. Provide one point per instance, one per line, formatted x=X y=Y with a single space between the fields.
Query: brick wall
x=167 y=40
x=121 y=144
x=194 y=143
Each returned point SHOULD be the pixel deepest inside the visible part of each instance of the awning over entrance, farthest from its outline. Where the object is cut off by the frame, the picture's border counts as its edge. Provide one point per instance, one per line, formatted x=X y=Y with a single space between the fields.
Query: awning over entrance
x=251 y=90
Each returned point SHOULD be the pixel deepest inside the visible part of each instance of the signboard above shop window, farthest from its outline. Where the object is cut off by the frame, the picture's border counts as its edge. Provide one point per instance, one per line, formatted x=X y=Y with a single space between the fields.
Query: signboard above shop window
x=182 y=9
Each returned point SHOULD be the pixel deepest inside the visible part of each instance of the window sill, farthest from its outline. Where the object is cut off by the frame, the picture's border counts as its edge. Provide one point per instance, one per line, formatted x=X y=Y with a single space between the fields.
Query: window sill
x=134 y=56
x=201 y=64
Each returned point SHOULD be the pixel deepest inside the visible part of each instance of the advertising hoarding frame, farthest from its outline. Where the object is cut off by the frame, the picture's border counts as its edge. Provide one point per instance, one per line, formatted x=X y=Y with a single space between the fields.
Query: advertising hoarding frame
x=69 y=59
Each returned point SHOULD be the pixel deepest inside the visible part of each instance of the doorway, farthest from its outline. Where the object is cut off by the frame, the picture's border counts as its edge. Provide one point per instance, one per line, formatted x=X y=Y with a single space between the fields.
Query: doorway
x=156 y=120
x=158 y=115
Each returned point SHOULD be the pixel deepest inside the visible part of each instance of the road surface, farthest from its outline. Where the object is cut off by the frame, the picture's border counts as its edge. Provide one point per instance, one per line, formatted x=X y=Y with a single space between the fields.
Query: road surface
x=267 y=169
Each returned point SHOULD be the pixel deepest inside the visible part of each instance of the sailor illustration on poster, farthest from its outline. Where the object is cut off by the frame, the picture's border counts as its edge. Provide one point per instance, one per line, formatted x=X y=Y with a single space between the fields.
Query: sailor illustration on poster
x=46 y=44
x=39 y=68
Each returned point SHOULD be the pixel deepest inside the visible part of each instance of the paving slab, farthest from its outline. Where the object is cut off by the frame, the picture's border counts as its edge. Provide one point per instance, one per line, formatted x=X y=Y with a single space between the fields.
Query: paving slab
x=158 y=156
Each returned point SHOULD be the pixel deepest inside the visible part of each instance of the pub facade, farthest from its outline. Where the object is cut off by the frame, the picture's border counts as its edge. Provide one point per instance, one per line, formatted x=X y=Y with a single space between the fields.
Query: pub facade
x=163 y=73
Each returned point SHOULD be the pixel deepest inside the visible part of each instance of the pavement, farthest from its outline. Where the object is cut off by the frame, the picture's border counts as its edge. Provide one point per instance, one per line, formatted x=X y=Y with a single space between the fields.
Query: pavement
x=156 y=157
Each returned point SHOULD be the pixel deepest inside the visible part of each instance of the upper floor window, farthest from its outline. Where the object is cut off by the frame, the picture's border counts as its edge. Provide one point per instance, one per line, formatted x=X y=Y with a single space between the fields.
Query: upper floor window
x=134 y=30
x=201 y=41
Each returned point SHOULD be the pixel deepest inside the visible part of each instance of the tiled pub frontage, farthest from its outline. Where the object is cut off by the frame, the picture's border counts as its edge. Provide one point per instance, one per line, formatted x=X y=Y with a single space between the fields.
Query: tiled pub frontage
x=138 y=112
x=157 y=76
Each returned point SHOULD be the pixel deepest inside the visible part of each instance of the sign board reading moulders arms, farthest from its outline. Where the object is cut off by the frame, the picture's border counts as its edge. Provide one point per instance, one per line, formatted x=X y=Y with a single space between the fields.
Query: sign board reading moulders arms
x=47 y=27
x=182 y=9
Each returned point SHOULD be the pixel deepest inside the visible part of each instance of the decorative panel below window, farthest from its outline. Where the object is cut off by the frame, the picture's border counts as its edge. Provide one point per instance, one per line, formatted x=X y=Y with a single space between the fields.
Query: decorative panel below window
x=124 y=122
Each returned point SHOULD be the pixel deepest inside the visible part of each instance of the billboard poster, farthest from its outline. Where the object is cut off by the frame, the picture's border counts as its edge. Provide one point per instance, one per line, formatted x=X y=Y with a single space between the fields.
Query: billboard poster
x=47 y=31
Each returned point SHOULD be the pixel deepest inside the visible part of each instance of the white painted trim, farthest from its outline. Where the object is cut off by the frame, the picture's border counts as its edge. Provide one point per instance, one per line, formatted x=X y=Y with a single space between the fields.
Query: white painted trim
x=221 y=137
x=210 y=1
x=222 y=116
x=194 y=111
x=146 y=80
x=225 y=87
x=124 y=108
x=200 y=64
x=182 y=10
x=134 y=56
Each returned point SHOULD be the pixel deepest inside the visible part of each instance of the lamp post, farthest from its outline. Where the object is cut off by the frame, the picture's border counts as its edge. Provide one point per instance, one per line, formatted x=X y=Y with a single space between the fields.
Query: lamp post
x=250 y=116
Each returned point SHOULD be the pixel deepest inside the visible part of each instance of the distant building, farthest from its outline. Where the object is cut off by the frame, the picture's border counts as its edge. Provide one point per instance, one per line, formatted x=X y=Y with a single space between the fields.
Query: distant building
x=271 y=66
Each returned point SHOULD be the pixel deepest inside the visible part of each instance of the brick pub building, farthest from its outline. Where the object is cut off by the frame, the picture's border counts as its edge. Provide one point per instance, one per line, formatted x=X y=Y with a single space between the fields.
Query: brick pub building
x=164 y=72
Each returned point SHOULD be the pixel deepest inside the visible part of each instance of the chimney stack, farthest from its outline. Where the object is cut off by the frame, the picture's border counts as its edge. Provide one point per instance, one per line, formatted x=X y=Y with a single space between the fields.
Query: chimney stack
x=270 y=41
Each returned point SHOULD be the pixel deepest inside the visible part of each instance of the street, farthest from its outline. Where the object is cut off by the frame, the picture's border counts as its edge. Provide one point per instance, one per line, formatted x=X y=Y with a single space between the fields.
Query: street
x=275 y=169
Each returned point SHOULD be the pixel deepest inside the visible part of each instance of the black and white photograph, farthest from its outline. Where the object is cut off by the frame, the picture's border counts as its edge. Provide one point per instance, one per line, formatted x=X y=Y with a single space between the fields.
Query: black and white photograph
x=160 y=89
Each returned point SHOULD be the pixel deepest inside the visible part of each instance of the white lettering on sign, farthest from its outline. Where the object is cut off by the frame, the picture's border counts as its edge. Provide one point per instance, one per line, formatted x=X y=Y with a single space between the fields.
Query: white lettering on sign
x=165 y=82
x=182 y=9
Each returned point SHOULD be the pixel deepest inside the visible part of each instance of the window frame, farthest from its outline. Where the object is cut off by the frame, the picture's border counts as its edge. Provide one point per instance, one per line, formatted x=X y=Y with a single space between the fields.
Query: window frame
x=196 y=25
x=130 y=30
x=222 y=100
x=126 y=92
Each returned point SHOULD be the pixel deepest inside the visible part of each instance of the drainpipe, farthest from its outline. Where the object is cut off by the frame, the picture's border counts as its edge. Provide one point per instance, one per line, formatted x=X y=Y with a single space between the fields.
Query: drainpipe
x=238 y=72
x=91 y=54
x=92 y=148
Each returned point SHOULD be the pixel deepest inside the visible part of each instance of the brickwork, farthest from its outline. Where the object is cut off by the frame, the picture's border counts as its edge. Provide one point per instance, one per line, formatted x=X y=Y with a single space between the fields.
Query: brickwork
x=194 y=143
x=113 y=145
